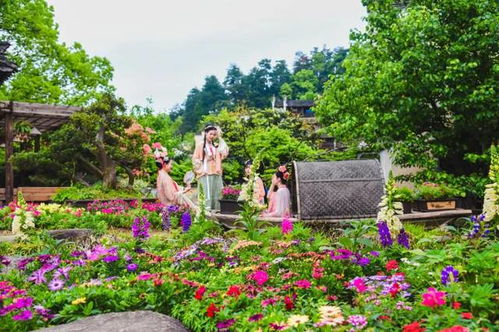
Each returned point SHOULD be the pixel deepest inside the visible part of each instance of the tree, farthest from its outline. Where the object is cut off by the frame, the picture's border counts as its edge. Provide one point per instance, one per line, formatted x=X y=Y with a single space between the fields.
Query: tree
x=233 y=84
x=49 y=71
x=421 y=80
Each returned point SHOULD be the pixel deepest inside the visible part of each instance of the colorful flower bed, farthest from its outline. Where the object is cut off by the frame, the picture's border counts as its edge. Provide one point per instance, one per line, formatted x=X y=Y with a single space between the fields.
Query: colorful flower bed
x=289 y=278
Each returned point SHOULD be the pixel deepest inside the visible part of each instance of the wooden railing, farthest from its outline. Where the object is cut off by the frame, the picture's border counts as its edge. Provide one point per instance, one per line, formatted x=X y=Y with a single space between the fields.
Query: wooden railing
x=33 y=194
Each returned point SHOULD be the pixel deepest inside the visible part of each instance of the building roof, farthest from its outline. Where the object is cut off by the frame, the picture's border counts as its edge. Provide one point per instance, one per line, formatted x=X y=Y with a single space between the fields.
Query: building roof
x=295 y=103
x=7 y=68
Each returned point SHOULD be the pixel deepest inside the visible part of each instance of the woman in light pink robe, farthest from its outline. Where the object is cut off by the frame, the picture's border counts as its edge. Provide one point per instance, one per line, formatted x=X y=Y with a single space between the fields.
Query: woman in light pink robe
x=279 y=200
x=169 y=192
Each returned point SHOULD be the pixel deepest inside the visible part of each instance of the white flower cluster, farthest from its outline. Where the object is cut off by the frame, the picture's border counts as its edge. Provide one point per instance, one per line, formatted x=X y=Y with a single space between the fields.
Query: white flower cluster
x=23 y=220
x=389 y=214
x=491 y=198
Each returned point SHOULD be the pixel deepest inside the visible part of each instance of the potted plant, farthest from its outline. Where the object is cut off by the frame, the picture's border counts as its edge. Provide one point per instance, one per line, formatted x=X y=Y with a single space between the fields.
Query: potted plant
x=435 y=197
x=229 y=203
x=406 y=197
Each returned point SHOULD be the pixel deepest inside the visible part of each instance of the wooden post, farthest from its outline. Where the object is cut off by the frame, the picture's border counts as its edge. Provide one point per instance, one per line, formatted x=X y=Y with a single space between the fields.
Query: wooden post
x=37 y=143
x=9 y=151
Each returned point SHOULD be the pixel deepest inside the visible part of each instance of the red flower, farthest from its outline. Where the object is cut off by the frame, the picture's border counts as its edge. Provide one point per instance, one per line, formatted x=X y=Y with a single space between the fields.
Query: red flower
x=289 y=303
x=234 y=291
x=158 y=282
x=199 y=293
x=395 y=289
x=212 y=310
x=391 y=265
x=383 y=317
x=456 y=305
x=413 y=327
x=467 y=315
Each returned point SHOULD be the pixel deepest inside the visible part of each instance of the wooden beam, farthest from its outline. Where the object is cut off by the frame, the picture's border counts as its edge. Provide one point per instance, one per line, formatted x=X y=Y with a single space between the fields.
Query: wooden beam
x=9 y=151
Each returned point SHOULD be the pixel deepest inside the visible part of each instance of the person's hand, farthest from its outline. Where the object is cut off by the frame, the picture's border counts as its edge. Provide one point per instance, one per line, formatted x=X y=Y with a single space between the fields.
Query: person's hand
x=187 y=189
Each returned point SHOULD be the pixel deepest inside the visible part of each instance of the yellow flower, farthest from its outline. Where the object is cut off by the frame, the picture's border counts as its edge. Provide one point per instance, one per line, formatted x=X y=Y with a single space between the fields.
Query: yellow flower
x=79 y=301
x=296 y=320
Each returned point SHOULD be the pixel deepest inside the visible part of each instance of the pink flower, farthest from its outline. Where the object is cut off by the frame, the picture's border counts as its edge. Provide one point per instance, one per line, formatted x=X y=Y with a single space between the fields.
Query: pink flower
x=303 y=283
x=156 y=145
x=268 y=302
x=317 y=272
x=146 y=149
x=286 y=226
x=260 y=277
x=359 y=284
x=433 y=298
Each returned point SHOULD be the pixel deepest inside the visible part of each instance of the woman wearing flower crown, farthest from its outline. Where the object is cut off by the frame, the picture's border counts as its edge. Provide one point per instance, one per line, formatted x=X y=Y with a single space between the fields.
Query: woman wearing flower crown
x=207 y=160
x=279 y=196
x=169 y=192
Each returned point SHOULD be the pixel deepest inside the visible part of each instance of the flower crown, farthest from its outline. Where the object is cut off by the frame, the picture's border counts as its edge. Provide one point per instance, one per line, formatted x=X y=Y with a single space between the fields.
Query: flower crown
x=284 y=171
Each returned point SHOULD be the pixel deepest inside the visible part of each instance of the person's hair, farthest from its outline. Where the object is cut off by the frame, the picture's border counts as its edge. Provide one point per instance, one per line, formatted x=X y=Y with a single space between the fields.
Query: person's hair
x=207 y=129
x=162 y=161
x=280 y=175
x=248 y=163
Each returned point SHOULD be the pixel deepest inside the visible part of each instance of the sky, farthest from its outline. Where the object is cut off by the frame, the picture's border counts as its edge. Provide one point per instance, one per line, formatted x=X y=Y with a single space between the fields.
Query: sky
x=161 y=49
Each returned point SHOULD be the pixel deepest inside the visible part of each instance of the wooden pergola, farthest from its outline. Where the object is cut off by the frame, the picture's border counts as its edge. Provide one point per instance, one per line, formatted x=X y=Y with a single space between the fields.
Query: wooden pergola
x=40 y=116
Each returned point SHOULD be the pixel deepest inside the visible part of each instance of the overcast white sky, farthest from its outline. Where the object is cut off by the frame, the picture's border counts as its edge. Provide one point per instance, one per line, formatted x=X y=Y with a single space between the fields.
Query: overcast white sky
x=163 y=48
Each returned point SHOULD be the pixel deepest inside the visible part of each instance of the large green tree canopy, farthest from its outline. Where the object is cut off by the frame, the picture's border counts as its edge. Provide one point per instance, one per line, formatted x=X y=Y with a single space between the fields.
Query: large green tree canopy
x=421 y=79
x=49 y=71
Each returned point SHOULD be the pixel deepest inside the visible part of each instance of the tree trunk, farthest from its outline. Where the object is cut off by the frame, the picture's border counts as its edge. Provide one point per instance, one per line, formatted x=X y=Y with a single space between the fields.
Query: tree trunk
x=108 y=165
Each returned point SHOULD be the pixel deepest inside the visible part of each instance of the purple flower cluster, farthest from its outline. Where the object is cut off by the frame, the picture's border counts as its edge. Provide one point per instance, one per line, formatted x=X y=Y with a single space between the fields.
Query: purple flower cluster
x=195 y=247
x=478 y=227
x=403 y=238
x=380 y=285
x=21 y=306
x=140 y=228
x=345 y=254
x=447 y=272
x=185 y=221
x=384 y=234
x=357 y=321
x=4 y=260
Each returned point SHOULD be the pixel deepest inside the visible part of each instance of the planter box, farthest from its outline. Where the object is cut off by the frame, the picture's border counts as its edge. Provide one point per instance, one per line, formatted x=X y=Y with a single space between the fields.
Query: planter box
x=436 y=204
x=229 y=206
x=407 y=207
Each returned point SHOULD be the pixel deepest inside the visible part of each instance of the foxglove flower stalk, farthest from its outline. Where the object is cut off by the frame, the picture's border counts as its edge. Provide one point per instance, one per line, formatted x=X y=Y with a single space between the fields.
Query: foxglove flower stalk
x=403 y=238
x=384 y=234
x=186 y=221
x=165 y=219
x=140 y=228
x=449 y=274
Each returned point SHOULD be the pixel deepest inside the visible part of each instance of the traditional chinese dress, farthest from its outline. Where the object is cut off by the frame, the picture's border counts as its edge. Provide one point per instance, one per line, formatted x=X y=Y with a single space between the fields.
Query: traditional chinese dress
x=279 y=204
x=170 y=193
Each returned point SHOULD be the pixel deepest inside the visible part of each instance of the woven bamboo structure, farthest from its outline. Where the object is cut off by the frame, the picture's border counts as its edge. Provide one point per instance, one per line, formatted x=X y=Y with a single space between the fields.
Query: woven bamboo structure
x=346 y=189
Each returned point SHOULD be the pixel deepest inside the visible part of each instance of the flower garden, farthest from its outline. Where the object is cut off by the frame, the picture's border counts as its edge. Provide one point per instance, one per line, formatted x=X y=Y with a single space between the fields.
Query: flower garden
x=145 y=256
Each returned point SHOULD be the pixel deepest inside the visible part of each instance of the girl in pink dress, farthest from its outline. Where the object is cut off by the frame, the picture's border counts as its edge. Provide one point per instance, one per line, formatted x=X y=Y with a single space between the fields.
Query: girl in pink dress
x=279 y=196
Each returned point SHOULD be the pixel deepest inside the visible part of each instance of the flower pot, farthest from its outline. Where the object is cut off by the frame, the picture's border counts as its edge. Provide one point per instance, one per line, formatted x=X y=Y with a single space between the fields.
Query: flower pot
x=229 y=206
x=407 y=207
x=436 y=204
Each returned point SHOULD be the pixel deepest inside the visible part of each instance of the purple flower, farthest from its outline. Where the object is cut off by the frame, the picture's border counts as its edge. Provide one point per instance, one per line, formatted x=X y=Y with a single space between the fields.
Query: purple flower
x=363 y=261
x=173 y=208
x=477 y=226
x=45 y=313
x=23 y=302
x=63 y=271
x=255 y=318
x=23 y=262
x=140 y=228
x=165 y=219
x=186 y=221
x=446 y=275
x=223 y=325
x=111 y=258
x=358 y=321
x=374 y=253
x=4 y=260
x=132 y=267
x=25 y=315
x=403 y=238
x=384 y=234
x=77 y=253
x=38 y=276
x=56 y=284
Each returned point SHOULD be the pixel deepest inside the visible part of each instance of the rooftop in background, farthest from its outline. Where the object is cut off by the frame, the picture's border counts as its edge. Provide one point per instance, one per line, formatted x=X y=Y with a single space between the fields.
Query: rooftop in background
x=7 y=68
x=295 y=103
